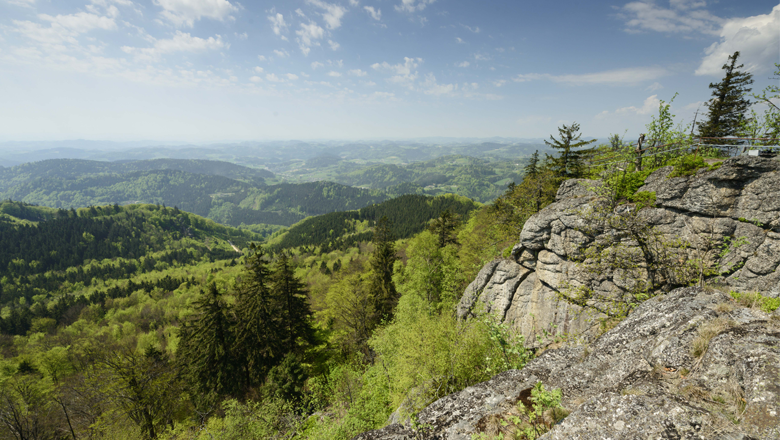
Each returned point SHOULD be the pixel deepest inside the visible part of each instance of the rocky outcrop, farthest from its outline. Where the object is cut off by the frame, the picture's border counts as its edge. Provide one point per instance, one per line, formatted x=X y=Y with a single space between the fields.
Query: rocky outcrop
x=737 y=200
x=644 y=379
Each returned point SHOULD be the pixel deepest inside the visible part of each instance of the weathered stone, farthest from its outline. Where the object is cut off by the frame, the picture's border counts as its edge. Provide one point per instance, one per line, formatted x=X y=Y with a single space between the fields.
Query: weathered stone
x=640 y=380
x=712 y=210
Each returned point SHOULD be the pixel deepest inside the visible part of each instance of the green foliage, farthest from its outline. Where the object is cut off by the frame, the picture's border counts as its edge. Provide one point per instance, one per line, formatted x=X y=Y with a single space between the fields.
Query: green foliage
x=569 y=164
x=729 y=104
x=543 y=403
x=755 y=299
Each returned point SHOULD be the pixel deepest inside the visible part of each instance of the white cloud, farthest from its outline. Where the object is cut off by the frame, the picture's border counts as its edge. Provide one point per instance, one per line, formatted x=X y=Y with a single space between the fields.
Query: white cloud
x=756 y=38
x=278 y=25
x=243 y=36
x=63 y=28
x=648 y=107
x=181 y=42
x=316 y=64
x=273 y=78
x=291 y=76
x=376 y=14
x=256 y=79
x=413 y=5
x=482 y=57
x=304 y=74
x=464 y=64
x=369 y=83
x=354 y=2
x=333 y=13
x=262 y=58
x=187 y=12
x=499 y=82
x=682 y=16
x=25 y=3
x=476 y=29
x=431 y=87
x=404 y=74
x=308 y=35
x=357 y=72
x=281 y=53
x=258 y=69
x=334 y=74
x=628 y=76
x=654 y=86
x=459 y=40
x=333 y=45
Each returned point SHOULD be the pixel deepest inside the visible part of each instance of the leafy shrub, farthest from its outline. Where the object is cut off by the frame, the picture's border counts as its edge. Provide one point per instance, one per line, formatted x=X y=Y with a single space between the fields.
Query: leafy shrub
x=756 y=300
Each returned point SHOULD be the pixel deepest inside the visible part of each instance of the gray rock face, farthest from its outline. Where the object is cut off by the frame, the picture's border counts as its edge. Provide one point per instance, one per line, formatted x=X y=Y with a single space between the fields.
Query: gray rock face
x=640 y=380
x=739 y=200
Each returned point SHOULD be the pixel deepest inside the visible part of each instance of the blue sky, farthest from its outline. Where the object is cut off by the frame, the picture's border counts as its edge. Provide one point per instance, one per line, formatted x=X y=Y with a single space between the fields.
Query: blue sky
x=223 y=70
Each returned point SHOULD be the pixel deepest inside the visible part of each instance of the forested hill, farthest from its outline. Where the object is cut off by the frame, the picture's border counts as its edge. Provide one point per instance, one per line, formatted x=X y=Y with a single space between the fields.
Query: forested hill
x=407 y=215
x=478 y=179
x=219 y=198
x=75 y=168
x=91 y=252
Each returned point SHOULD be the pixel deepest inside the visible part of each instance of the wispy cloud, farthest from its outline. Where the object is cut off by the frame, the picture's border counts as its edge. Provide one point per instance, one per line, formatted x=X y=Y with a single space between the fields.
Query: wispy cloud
x=180 y=42
x=376 y=14
x=404 y=73
x=357 y=72
x=333 y=13
x=628 y=76
x=413 y=5
x=184 y=13
x=278 y=25
x=308 y=35
x=281 y=53
x=682 y=17
x=464 y=64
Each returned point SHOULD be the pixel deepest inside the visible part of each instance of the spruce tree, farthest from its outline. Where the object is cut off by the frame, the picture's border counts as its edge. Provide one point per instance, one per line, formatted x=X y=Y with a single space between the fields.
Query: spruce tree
x=257 y=342
x=293 y=307
x=532 y=169
x=382 y=288
x=569 y=164
x=729 y=101
x=204 y=349
x=444 y=228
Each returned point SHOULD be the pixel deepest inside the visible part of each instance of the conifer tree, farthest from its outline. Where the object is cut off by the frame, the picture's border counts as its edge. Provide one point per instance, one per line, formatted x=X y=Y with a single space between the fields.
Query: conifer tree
x=532 y=169
x=293 y=305
x=568 y=165
x=444 y=228
x=257 y=342
x=382 y=288
x=205 y=346
x=729 y=101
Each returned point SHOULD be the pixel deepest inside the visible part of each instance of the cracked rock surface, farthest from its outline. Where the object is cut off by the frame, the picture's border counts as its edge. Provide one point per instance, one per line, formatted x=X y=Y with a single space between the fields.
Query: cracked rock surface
x=738 y=200
x=640 y=380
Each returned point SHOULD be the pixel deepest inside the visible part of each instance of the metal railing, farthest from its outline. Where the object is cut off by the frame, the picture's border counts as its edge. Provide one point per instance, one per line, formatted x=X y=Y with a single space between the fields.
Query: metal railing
x=725 y=146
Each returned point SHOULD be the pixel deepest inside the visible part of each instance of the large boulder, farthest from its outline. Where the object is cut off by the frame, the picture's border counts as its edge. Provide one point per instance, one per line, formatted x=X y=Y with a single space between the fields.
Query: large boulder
x=644 y=379
x=736 y=202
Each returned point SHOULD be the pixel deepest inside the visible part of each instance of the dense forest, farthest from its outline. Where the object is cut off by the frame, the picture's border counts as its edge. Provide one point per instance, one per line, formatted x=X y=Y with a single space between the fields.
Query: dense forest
x=220 y=198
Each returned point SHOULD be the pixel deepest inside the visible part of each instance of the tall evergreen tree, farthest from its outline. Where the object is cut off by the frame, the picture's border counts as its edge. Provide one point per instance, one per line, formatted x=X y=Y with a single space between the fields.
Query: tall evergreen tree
x=568 y=165
x=532 y=169
x=257 y=340
x=293 y=305
x=444 y=228
x=382 y=288
x=205 y=346
x=729 y=101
